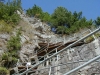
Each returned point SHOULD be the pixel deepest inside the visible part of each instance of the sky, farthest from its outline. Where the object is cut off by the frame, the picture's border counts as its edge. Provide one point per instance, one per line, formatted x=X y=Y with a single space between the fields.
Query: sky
x=89 y=8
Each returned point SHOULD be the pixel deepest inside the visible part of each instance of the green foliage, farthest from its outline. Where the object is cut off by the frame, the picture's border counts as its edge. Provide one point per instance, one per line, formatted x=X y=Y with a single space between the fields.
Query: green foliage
x=3 y=71
x=5 y=56
x=64 y=21
x=89 y=39
x=77 y=16
x=9 y=58
x=45 y=17
x=61 y=29
x=36 y=11
x=8 y=12
x=29 y=12
x=13 y=46
x=60 y=16
x=97 y=21
x=97 y=35
x=14 y=42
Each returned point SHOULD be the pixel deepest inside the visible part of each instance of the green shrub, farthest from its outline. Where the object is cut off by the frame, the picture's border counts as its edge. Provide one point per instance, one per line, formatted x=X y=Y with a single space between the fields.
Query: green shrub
x=5 y=56
x=14 y=42
x=89 y=39
x=8 y=60
x=8 y=12
x=13 y=45
x=97 y=35
x=3 y=71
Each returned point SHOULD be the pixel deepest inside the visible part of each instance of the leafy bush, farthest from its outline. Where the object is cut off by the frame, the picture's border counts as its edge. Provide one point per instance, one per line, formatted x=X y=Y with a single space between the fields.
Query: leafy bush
x=35 y=11
x=8 y=12
x=97 y=35
x=5 y=56
x=15 y=18
x=3 y=71
x=8 y=60
x=89 y=39
x=13 y=45
x=14 y=42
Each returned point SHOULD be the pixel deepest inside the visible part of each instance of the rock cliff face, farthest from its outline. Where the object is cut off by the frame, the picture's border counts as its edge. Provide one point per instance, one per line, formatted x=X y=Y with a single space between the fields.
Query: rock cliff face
x=34 y=31
x=80 y=55
x=3 y=41
x=73 y=58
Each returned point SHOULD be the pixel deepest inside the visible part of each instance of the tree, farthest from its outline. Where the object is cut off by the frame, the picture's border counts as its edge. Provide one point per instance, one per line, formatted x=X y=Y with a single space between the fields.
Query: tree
x=59 y=16
x=62 y=19
x=77 y=16
x=29 y=12
x=97 y=21
x=45 y=17
x=19 y=3
x=35 y=11
x=61 y=29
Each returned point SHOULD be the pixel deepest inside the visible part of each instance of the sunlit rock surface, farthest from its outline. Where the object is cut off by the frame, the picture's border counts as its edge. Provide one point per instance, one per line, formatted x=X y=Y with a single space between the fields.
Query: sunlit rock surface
x=34 y=31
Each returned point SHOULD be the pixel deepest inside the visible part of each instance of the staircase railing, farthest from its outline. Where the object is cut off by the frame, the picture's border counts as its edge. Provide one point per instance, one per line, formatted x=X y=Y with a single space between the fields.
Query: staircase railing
x=81 y=66
x=49 y=68
x=69 y=46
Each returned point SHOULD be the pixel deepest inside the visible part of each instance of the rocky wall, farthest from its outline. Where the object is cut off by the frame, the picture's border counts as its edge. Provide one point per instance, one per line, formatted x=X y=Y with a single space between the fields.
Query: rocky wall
x=75 y=57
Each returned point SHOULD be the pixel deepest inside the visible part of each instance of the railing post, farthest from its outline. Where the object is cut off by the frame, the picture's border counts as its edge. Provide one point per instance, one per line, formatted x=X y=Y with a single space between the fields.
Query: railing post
x=57 y=63
x=50 y=71
x=57 y=55
x=47 y=63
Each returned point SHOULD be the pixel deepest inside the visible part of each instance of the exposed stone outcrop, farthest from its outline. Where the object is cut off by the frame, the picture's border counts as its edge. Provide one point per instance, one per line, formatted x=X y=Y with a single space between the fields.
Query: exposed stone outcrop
x=80 y=54
x=3 y=41
x=34 y=31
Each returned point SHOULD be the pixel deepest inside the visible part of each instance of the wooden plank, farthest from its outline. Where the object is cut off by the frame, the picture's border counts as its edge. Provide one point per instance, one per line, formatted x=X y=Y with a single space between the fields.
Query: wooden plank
x=50 y=48
x=24 y=67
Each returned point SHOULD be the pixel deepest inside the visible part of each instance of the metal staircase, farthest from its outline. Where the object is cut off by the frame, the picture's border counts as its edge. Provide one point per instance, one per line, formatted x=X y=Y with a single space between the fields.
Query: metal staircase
x=52 y=54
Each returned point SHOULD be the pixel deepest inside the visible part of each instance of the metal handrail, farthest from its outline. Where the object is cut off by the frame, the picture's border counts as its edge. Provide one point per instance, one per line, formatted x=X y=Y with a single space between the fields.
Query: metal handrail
x=81 y=66
x=62 y=50
x=49 y=52
x=63 y=64
x=32 y=62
